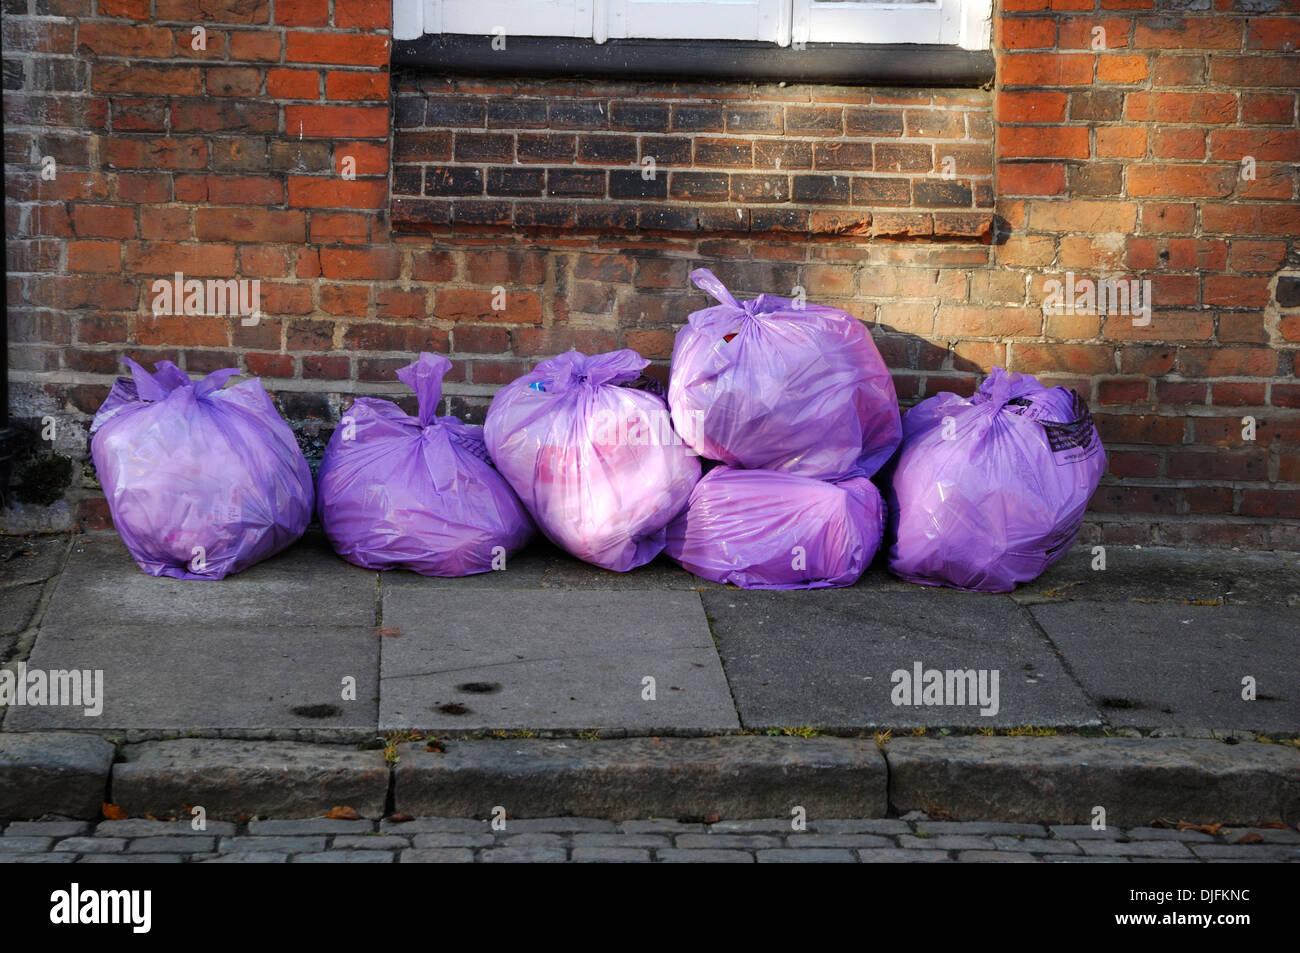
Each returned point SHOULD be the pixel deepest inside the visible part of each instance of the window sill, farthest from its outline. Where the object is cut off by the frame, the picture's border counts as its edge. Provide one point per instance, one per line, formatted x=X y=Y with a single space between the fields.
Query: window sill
x=851 y=64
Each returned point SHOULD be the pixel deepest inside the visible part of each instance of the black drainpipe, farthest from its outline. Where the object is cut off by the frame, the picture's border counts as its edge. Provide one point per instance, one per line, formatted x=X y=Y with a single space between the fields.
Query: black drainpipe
x=7 y=435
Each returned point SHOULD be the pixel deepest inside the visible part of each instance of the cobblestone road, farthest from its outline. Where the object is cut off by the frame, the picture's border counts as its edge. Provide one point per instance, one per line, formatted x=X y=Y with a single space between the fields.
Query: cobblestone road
x=555 y=840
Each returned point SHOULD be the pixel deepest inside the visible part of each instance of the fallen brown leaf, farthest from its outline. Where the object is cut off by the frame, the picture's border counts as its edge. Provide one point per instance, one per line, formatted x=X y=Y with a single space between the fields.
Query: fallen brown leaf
x=388 y=631
x=1275 y=826
x=400 y=818
x=341 y=813
x=1251 y=838
x=113 y=813
x=1203 y=828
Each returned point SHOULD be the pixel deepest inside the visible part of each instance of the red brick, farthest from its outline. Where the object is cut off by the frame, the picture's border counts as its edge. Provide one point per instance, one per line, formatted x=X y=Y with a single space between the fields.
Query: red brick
x=1178 y=142
x=371 y=264
x=335 y=122
x=143 y=187
x=263 y=261
x=1161 y=218
x=368 y=158
x=130 y=9
x=185 y=153
x=269 y=365
x=194 y=260
x=245 y=190
x=1252 y=70
x=492 y=267
x=1125 y=142
x=1180 y=181
x=1068 y=358
x=480 y=340
x=214 y=223
x=168 y=223
x=1228 y=362
x=1127 y=464
x=156 y=81
x=242 y=81
x=255 y=46
x=1239 y=394
x=454 y=304
x=333 y=192
x=1038 y=178
x=1132 y=499
x=1181 y=107
x=1272 y=33
x=337 y=49
x=1188 y=33
x=350 y=300
x=1230 y=291
x=1268 y=107
x=1045 y=69
x=180 y=330
x=363 y=14
x=118 y=39
x=339 y=227
x=1122 y=391
x=302 y=13
x=1246 y=255
x=285 y=298
x=1122 y=69
x=214 y=11
x=292 y=84
x=103 y=221
x=1030 y=106
x=432 y=266
x=1284 y=504
x=1282 y=145
x=1139 y=429
x=1251 y=219
x=349 y=85
x=1170 y=70
x=94 y=256
x=1083 y=216
x=1180 y=392
x=1036 y=34
x=319 y=367
x=1207 y=499
x=395 y=303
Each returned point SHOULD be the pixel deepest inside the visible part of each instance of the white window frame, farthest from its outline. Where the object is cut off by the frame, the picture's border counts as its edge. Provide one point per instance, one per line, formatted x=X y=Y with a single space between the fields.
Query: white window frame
x=964 y=24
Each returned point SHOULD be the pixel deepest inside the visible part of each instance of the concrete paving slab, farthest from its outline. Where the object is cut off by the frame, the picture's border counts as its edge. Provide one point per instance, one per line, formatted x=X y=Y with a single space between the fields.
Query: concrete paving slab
x=208 y=676
x=543 y=659
x=17 y=607
x=1162 y=574
x=1174 y=666
x=102 y=585
x=28 y=559
x=545 y=566
x=826 y=658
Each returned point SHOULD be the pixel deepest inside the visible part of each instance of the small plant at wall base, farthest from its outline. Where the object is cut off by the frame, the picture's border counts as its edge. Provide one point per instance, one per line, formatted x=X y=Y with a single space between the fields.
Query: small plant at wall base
x=41 y=479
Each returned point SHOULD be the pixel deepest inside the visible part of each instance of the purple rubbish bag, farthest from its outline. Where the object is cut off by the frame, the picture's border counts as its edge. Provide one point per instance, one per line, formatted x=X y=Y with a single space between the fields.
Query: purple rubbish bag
x=201 y=482
x=776 y=384
x=762 y=529
x=417 y=493
x=989 y=491
x=596 y=463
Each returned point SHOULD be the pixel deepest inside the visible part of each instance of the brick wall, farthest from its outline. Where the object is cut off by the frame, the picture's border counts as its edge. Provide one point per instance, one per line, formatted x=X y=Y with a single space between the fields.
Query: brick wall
x=1126 y=160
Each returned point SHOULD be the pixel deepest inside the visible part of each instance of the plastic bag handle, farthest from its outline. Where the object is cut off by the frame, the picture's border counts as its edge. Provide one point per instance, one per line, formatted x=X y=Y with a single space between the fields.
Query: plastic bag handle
x=146 y=388
x=424 y=376
x=214 y=382
x=708 y=282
